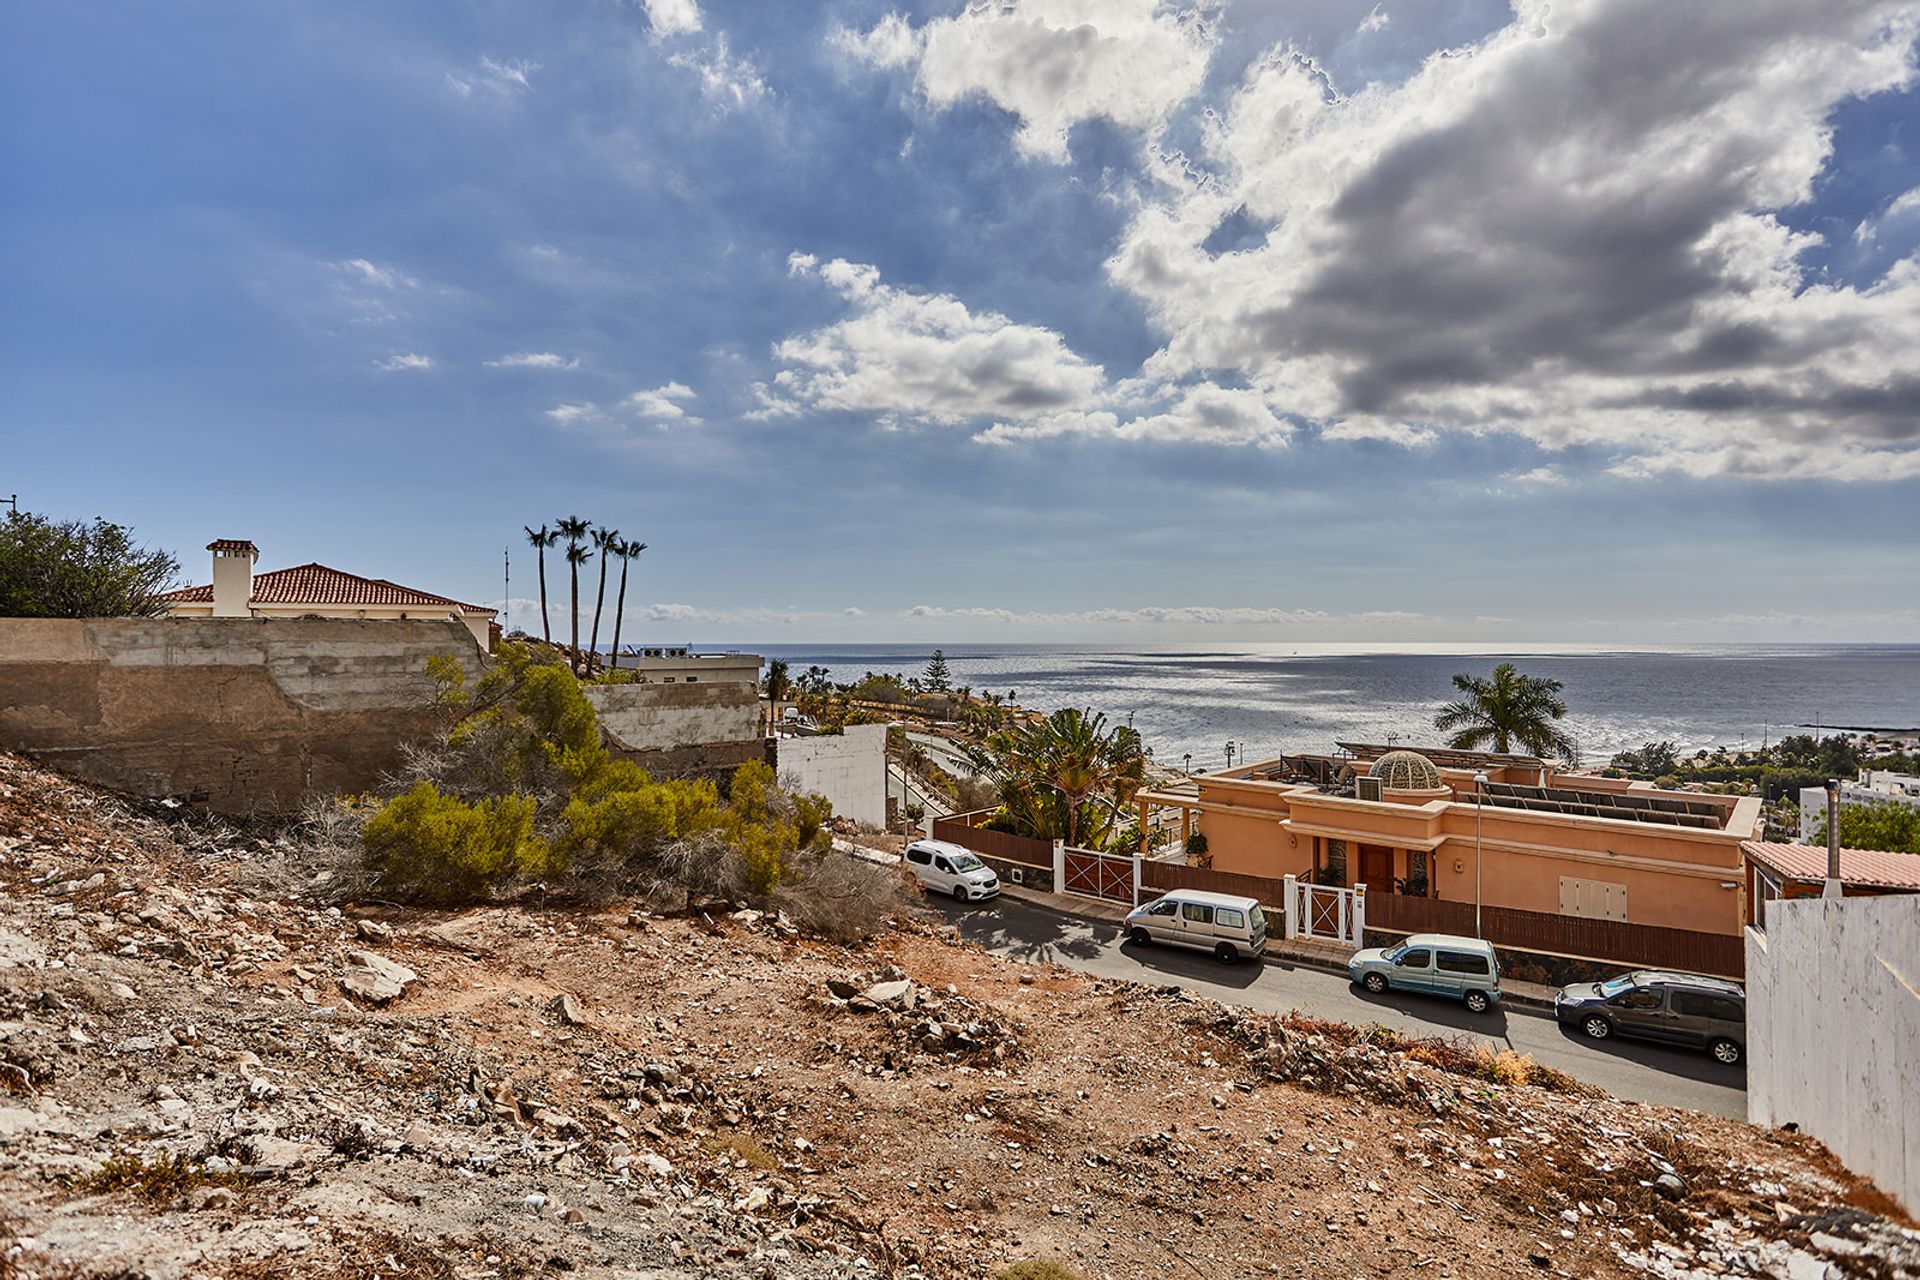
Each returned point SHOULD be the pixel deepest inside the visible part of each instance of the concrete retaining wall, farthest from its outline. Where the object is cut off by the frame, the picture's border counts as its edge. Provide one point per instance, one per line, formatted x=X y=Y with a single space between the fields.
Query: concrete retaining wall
x=849 y=769
x=672 y=730
x=245 y=715
x=1833 y=1022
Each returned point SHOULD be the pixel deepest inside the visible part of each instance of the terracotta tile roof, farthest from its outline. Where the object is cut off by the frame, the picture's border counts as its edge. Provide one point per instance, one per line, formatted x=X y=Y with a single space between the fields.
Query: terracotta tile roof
x=317 y=584
x=1876 y=868
x=232 y=544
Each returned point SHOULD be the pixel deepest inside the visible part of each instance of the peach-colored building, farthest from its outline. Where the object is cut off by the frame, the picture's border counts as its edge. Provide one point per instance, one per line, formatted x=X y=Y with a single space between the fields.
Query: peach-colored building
x=312 y=590
x=1527 y=837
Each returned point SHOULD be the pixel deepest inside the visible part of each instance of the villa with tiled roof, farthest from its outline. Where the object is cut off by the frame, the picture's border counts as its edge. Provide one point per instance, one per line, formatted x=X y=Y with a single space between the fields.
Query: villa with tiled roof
x=311 y=590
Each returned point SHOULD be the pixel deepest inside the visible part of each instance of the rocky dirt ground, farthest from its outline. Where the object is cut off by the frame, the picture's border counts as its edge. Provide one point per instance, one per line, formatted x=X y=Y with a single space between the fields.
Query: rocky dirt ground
x=200 y=1076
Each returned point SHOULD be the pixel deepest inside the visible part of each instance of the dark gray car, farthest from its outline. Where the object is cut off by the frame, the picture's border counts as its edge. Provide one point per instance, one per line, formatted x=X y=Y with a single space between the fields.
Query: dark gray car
x=1675 y=1008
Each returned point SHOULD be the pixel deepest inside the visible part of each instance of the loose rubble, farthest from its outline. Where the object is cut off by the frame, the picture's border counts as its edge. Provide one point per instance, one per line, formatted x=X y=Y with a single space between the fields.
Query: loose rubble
x=203 y=1077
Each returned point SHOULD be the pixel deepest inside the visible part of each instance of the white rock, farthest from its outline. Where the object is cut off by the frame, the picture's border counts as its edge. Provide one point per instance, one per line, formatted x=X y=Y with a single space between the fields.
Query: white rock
x=374 y=977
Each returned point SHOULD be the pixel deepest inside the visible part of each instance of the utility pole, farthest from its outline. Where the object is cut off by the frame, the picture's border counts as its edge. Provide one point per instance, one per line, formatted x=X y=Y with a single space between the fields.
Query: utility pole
x=13 y=501
x=506 y=589
x=1479 y=804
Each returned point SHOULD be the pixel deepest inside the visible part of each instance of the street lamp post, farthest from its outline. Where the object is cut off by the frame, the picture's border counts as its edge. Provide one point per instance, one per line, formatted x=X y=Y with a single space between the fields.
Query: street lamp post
x=1479 y=805
x=1186 y=761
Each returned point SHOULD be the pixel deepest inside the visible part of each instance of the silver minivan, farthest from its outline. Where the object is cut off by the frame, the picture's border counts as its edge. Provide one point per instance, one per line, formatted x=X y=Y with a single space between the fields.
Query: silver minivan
x=1228 y=926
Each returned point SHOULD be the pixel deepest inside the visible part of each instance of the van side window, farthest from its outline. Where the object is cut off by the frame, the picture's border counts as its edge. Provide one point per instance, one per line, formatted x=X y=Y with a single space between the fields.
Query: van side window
x=1414 y=959
x=941 y=864
x=1461 y=962
x=919 y=857
x=1198 y=913
x=1638 y=998
x=1230 y=918
x=1698 y=1004
x=1163 y=908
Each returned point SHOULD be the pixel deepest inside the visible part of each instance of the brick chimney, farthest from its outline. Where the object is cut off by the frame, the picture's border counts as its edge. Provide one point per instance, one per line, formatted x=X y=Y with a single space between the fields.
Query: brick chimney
x=233 y=560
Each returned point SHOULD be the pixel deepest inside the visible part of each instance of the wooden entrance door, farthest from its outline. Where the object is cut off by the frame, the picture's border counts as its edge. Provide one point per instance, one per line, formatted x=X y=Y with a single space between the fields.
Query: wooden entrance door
x=1376 y=868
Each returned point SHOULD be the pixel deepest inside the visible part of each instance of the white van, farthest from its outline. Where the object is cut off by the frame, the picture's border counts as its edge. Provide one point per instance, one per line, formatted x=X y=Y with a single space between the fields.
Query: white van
x=1228 y=926
x=944 y=867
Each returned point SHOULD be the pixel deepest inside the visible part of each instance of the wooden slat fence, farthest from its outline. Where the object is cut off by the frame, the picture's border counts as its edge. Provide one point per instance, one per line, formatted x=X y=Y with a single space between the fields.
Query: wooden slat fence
x=962 y=829
x=1162 y=876
x=1618 y=941
x=1610 y=941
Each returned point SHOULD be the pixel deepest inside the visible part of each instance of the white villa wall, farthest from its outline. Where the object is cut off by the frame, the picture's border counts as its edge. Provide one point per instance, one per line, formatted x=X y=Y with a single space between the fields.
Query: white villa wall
x=849 y=769
x=1833 y=1023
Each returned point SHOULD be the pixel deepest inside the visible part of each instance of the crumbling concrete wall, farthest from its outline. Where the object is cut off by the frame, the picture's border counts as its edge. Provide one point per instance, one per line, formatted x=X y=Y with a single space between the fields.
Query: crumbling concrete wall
x=673 y=730
x=245 y=715
x=848 y=768
x=1833 y=1028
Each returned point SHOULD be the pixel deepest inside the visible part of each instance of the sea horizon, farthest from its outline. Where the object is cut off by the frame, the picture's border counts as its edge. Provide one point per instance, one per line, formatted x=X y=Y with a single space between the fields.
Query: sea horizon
x=1190 y=699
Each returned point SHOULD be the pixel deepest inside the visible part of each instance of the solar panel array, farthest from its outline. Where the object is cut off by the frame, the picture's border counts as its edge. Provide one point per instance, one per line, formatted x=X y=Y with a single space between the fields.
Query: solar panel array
x=1625 y=805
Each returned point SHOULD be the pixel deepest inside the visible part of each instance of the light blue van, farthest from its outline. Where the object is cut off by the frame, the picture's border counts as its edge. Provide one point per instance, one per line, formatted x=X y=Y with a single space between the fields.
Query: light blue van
x=1439 y=964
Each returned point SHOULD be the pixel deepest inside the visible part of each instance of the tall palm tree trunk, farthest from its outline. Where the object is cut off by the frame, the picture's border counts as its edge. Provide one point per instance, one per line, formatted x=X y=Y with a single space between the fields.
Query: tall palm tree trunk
x=573 y=646
x=627 y=552
x=608 y=539
x=546 y=628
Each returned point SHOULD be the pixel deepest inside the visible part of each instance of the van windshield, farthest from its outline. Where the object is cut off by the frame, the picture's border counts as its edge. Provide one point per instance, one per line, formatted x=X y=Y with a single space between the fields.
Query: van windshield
x=1614 y=986
x=966 y=862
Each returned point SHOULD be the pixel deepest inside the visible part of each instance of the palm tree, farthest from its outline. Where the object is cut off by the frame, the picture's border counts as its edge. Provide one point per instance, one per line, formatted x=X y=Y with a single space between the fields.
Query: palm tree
x=1508 y=709
x=628 y=553
x=574 y=530
x=604 y=541
x=541 y=539
x=1066 y=776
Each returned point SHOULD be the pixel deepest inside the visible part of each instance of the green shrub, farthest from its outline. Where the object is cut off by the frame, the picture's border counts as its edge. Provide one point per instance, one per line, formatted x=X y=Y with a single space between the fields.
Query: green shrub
x=427 y=847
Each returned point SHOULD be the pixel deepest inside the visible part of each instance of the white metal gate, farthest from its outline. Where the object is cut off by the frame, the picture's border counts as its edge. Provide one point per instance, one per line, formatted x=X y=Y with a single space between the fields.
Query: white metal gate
x=1325 y=913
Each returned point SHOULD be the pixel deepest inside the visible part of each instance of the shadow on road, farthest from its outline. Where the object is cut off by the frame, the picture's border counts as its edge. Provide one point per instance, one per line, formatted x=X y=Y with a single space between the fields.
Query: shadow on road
x=1044 y=936
x=1154 y=958
x=1438 y=1009
x=1674 y=1061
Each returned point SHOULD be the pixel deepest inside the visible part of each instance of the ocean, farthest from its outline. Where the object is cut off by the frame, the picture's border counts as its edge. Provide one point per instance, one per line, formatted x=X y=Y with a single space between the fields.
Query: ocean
x=1268 y=699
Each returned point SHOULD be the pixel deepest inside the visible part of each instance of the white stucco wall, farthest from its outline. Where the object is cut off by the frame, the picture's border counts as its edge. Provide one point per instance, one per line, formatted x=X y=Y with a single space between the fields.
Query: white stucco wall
x=1833 y=1023
x=849 y=769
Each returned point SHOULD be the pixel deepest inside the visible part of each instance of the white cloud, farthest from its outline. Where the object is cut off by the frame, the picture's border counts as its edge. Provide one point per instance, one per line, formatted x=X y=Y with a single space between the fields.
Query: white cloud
x=1376 y=20
x=891 y=43
x=409 y=360
x=360 y=271
x=569 y=414
x=659 y=405
x=1525 y=237
x=1053 y=63
x=923 y=357
x=854 y=611
x=729 y=83
x=1541 y=476
x=533 y=360
x=500 y=78
x=673 y=17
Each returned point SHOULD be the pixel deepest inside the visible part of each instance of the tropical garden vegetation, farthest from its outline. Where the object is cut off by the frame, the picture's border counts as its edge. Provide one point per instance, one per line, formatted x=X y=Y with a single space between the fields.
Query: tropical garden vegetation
x=79 y=569
x=1066 y=777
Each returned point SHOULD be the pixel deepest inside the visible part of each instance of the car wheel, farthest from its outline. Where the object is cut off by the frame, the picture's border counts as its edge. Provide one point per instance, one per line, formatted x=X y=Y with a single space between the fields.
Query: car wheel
x=1139 y=936
x=1596 y=1027
x=1725 y=1050
x=959 y=893
x=1225 y=953
x=1477 y=1002
x=1375 y=982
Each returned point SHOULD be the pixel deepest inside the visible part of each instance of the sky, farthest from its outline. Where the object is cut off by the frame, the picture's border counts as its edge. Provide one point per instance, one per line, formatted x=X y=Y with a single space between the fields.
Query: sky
x=1595 y=321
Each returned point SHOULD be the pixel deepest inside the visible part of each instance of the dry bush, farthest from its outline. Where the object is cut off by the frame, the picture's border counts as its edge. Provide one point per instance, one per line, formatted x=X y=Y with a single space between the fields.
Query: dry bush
x=842 y=897
x=743 y=1147
x=1039 y=1269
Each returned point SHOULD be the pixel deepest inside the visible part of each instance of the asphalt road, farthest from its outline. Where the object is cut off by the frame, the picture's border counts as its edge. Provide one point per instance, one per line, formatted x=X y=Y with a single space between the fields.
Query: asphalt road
x=1626 y=1069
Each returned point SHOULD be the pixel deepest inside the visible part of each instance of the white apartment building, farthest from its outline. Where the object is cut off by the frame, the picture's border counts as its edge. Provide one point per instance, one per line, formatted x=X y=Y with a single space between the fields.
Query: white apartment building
x=1874 y=786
